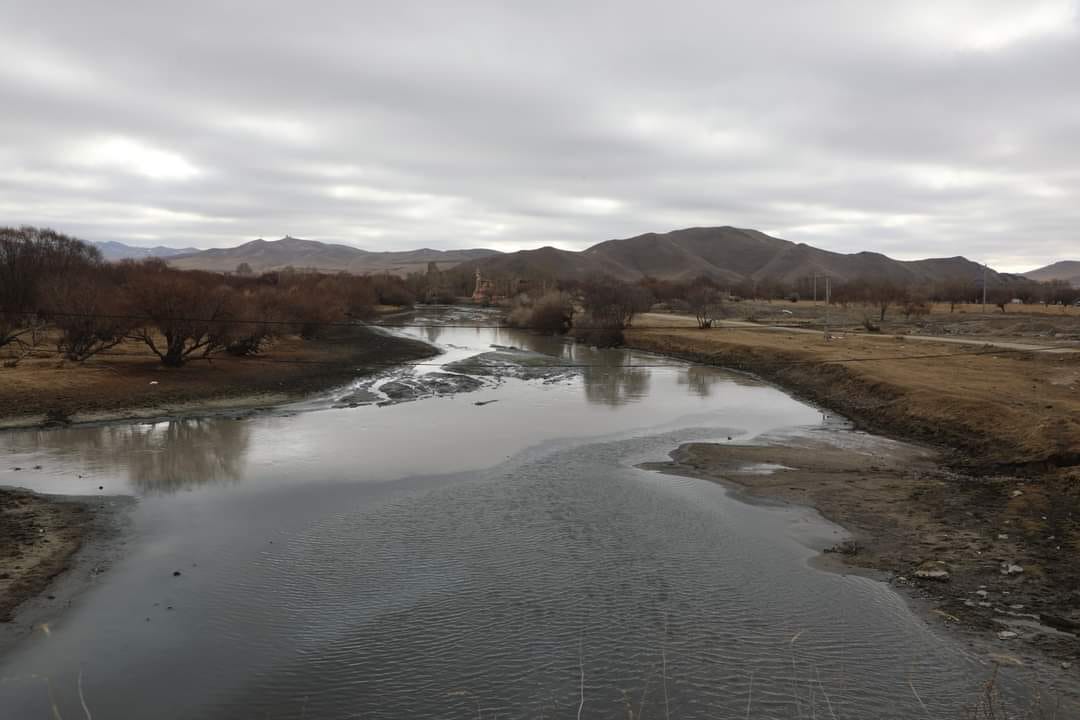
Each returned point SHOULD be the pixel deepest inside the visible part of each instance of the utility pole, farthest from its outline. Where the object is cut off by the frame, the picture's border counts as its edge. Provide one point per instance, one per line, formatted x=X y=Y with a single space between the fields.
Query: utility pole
x=815 y=288
x=984 y=289
x=828 y=297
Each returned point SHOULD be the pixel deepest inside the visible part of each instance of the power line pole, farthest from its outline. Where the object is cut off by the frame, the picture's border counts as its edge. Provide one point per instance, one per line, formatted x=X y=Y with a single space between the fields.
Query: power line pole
x=984 y=289
x=828 y=297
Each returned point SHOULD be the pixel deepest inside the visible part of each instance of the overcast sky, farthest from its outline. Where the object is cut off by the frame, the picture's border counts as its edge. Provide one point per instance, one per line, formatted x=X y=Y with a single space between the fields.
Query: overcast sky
x=912 y=128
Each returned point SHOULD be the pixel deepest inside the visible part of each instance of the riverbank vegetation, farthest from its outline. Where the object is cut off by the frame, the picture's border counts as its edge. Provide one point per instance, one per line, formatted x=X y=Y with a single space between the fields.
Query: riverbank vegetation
x=82 y=339
x=57 y=294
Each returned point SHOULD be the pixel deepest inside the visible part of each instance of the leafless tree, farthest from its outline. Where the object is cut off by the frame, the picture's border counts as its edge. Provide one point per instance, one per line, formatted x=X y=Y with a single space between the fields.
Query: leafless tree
x=185 y=313
x=89 y=312
x=706 y=302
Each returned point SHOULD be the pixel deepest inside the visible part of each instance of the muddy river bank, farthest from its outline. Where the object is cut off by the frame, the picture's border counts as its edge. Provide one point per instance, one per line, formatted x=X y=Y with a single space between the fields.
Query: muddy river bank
x=472 y=535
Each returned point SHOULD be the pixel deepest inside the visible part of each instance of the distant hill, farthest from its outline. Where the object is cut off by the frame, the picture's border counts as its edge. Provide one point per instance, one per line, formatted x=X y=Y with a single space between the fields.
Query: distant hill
x=113 y=251
x=726 y=254
x=265 y=255
x=1068 y=270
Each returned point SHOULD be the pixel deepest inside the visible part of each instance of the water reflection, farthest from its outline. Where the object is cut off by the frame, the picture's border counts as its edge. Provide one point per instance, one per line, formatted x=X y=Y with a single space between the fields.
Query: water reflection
x=182 y=454
x=158 y=458
x=699 y=380
x=611 y=382
x=431 y=333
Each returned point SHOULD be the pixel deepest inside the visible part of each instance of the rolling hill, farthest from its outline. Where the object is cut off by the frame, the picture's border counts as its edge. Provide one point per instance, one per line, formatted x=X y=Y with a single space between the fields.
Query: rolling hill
x=726 y=254
x=1067 y=270
x=265 y=255
x=113 y=251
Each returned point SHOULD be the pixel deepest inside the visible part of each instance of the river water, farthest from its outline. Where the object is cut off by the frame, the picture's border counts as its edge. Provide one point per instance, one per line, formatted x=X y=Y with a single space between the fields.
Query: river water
x=451 y=556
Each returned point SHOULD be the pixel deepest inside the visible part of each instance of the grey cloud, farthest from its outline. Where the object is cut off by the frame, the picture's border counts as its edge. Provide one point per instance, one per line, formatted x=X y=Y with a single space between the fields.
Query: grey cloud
x=914 y=128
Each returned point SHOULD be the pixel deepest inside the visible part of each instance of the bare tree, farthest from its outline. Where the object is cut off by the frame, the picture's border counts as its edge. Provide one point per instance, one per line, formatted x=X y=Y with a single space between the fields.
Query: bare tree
x=706 y=302
x=612 y=303
x=186 y=313
x=28 y=256
x=956 y=290
x=89 y=312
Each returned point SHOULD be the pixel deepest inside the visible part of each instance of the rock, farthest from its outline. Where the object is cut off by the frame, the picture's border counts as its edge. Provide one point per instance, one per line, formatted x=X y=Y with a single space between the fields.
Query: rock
x=1007 y=635
x=939 y=574
x=1017 y=493
x=1008 y=568
x=1066 y=665
x=1003 y=536
x=981 y=593
x=176 y=573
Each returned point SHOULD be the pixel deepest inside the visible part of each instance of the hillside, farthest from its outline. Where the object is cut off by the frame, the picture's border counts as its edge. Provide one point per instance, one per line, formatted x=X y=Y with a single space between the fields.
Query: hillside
x=114 y=251
x=265 y=255
x=726 y=254
x=1068 y=270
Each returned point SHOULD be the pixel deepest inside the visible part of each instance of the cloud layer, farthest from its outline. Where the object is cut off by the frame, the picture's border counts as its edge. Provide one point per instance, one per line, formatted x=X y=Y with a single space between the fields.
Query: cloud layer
x=912 y=128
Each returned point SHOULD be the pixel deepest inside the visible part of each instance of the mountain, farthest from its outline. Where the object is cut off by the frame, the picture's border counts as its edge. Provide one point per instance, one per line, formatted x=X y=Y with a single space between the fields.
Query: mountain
x=113 y=251
x=1068 y=270
x=265 y=255
x=726 y=254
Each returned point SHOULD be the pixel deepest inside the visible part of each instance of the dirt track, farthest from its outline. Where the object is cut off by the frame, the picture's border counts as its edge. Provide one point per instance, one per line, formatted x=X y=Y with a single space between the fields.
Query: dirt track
x=1001 y=483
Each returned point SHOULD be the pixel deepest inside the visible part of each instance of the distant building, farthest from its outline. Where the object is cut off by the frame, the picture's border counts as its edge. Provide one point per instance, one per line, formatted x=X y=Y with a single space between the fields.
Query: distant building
x=484 y=291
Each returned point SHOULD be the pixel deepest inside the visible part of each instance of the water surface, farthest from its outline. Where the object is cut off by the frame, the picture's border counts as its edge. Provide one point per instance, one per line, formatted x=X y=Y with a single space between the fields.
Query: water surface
x=444 y=558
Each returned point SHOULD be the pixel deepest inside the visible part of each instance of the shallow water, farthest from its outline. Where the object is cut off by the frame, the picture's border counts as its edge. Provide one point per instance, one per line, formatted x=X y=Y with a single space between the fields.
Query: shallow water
x=444 y=558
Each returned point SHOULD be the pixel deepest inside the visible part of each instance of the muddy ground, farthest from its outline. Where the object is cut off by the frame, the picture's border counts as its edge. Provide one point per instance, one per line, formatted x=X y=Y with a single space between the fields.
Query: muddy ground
x=38 y=536
x=997 y=489
x=128 y=382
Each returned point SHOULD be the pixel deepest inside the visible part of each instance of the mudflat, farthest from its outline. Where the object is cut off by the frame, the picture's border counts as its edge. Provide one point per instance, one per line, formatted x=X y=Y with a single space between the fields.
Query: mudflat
x=991 y=499
x=38 y=536
x=129 y=383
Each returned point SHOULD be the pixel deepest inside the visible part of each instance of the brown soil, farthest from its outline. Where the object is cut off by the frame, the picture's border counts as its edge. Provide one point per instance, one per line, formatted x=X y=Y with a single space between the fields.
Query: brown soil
x=1006 y=433
x=128 y=382
x=38 y=536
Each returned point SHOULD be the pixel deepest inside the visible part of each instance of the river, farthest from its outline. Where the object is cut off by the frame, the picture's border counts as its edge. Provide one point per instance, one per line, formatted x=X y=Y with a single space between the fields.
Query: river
x=472 y=554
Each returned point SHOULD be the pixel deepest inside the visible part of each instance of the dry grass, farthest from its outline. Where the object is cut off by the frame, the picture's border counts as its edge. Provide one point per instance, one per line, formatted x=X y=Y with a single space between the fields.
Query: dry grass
x=1005 y=407
x=129 y=381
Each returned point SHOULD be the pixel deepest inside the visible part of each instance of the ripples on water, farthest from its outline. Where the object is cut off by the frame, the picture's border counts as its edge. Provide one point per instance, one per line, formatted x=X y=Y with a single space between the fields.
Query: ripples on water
x=490 y=596
x=316 y=588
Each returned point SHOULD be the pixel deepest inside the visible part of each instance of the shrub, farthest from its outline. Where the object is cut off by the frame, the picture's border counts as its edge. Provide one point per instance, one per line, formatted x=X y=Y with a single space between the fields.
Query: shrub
x=554 y=312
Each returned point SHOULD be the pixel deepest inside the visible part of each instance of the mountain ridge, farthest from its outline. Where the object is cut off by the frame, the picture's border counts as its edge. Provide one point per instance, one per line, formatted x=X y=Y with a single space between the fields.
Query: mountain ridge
x=1067 y=270
x=268 y=255
x=727 y=255
x=114 y=251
